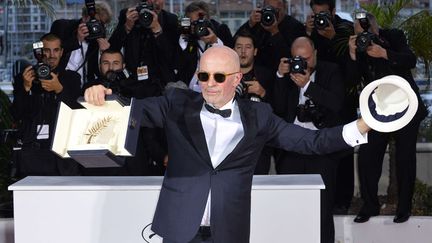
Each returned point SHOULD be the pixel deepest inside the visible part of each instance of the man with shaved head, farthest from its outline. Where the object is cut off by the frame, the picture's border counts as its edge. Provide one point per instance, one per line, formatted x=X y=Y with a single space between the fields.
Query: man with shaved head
x=214 y=142
x=312 y=100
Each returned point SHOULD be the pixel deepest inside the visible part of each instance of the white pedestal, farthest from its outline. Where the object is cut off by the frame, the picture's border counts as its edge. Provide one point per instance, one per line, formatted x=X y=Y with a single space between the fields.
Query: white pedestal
x=285 y=208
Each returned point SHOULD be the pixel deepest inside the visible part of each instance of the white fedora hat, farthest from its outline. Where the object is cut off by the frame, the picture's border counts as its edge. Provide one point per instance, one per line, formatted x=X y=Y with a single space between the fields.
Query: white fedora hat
x=388 y=104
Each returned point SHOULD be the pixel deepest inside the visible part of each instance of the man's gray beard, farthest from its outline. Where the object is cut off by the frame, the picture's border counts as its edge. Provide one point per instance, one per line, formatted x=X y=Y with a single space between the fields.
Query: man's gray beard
x=245 y=65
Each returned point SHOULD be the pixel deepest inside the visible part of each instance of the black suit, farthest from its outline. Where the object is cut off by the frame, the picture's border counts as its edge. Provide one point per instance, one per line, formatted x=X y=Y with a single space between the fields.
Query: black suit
x=142 y=48
x=327 y=93
x=187 y=59
x=190 y=174
x=367 y=69
x=66 y=29
x=272 y=48
x=34 y=108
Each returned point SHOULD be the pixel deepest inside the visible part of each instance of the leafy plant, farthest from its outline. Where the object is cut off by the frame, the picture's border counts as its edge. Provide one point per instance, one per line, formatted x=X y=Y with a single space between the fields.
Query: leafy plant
x=45 y=5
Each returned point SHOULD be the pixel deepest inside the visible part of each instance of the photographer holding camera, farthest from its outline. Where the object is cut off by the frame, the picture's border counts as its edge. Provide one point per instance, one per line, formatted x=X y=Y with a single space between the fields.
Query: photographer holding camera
x=376 y=53
x=274 y=31
x=310 y=93
x=37 y=94
x=84 y=38
x=256 y=85
x=198 y=32
x=150 y=159
x=148 y=36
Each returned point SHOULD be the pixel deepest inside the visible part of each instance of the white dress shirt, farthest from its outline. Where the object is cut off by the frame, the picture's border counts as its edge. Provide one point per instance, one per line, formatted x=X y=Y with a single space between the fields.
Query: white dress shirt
x=222 y=135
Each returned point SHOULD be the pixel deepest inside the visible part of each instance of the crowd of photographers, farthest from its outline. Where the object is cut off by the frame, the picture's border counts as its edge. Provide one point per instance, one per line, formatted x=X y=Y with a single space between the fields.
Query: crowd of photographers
x=311 y=73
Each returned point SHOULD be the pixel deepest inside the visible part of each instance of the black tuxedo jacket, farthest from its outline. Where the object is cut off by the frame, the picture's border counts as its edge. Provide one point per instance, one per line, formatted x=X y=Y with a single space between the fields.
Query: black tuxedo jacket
x=66 y=29
x=327 y=92
x=190 y=174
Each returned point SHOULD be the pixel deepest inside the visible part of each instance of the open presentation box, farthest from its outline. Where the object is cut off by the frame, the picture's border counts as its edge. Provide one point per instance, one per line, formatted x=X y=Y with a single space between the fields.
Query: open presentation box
x=97 y=136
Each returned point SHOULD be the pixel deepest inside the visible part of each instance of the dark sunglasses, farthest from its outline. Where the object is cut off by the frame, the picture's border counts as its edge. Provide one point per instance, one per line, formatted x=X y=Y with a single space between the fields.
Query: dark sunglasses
x=218 y=77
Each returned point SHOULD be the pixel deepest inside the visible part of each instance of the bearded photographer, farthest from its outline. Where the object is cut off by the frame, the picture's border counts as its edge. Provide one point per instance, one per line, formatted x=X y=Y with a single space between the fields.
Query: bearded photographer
x=198 y=32
x=83 y=39
x=148 y=35
x=35 y=106
x=151 y=158
x=274 y=31
x=376 y=53
x=256 y=85
x=309 y=93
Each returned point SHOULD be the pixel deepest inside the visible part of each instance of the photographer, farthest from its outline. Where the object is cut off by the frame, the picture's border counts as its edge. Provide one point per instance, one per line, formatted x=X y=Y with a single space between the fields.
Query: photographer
x=150 y=156
x=81 y=44
x=330 y=34
x=309 y=93
x=274 y=31
x=376 y=53
x=201 y=33
x=256 y=85
x=35 y=108
x=148 y=36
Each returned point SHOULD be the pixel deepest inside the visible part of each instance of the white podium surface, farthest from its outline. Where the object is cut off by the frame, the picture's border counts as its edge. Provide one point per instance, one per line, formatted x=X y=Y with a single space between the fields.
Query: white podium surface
x=285 y=208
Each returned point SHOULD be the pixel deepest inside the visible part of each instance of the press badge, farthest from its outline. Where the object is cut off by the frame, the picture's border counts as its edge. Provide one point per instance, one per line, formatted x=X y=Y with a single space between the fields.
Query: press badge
x=142 y=73
x=42 y=131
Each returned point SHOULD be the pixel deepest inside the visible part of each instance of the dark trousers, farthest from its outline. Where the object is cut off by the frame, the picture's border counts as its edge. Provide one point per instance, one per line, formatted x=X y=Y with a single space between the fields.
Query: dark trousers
x=345 y=180
x=293 y=163
x=370 y=167
x=203 y=236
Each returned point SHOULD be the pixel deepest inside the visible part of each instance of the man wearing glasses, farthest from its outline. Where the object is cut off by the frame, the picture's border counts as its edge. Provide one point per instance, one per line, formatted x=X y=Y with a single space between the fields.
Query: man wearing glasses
x=214 y=142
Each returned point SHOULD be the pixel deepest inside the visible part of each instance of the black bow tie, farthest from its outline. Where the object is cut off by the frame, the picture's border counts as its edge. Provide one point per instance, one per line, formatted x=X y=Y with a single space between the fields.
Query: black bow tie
x=223 y=113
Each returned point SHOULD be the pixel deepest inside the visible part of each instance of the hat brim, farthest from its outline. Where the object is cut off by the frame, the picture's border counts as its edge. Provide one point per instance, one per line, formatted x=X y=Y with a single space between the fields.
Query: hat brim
x=393 y=125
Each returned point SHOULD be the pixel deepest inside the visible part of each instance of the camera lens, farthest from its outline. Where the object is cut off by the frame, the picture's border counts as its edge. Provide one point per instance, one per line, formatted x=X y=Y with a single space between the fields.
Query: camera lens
x=268 y=16
x=43 y=71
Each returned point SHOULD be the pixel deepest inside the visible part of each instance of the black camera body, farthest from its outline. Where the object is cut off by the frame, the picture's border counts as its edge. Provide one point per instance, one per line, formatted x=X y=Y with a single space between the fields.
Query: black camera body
x=309 y=112
x=364 y=40
x=116 y=80
x=41 y=69
x=297 y=64
x=200 y=27
x=242 y=89
x=268 y=15
x=144 y=12
x=95 y=27
x=321 y=20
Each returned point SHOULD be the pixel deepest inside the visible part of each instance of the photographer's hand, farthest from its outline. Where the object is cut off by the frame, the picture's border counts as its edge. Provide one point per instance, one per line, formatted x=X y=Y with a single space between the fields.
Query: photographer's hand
x=155 y=27
x=103 y=44
x=52 y=84
x=328 y=32
x=211 y=38
x=309 y=24
x=95 y=95
x=377 y=51
x=352 y=47
x=300 y=79
x=28 y=77
x=82 y=32
x=255 y=17
x=131 y=17
x=284 y=66
x=255 y=87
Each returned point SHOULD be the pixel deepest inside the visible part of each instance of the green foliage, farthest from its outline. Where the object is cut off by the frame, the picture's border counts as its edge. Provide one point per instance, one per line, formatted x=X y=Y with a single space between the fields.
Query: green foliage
x=418 y=31
x=45 y=5
x=422 y=200
x=387 y=15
